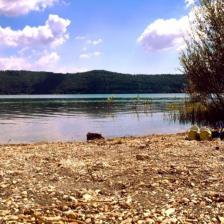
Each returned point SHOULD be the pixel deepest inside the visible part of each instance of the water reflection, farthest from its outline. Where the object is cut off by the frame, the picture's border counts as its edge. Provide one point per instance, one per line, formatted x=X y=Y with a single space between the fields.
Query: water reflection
x=63 y=118
x=91 y=107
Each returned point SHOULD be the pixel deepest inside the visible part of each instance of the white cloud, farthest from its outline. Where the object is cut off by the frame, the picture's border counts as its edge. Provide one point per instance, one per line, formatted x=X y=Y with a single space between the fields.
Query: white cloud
x=14 y=63
x=189 y=3
x=90 y=55
x=165 y=34
x=95 y=42
x=84 y=49
x=97 y=53
x=22 y=7
x=46 y=62
x=53 y=33
x=80 y=38
x=85 y=56
x=48 y=59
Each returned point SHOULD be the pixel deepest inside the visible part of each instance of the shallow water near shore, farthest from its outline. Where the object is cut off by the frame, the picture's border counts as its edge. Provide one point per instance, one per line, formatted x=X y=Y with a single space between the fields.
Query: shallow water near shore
x=35 y=118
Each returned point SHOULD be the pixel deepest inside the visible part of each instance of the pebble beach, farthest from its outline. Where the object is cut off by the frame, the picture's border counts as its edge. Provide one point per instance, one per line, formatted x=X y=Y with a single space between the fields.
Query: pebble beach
x=153 y=179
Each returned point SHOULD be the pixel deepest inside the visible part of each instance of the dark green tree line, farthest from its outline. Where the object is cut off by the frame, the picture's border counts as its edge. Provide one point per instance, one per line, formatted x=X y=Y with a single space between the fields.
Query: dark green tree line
x=26 y=82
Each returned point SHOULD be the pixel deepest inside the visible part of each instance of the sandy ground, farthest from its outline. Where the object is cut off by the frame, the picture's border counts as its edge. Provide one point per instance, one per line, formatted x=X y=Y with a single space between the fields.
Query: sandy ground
x=155 y=179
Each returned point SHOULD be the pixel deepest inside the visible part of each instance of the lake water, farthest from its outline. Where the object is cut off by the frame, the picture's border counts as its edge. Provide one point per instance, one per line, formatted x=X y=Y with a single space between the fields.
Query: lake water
x=26 y=118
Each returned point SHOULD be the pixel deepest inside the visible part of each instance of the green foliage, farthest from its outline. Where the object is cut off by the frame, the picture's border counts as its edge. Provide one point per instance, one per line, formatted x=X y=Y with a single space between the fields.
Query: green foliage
x=198 y=113
x=27 y=82
x=203 y=59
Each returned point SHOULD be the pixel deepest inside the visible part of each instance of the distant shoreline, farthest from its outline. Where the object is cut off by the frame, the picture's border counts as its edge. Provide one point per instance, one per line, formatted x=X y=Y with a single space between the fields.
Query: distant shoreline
x=86 y=94
x=61 y=94
x=92 y=82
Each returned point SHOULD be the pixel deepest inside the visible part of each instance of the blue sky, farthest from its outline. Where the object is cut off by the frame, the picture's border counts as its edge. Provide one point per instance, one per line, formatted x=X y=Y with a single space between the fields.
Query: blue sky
x=130 y=36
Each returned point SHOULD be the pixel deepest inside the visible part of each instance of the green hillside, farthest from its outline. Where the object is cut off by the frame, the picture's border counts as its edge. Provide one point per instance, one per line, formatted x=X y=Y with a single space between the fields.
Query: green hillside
x=27 y=82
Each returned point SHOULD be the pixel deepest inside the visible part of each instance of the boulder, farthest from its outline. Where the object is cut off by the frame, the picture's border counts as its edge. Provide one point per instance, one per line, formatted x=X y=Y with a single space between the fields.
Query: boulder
x=193 y=134
x=94 y=136
x=205 y=134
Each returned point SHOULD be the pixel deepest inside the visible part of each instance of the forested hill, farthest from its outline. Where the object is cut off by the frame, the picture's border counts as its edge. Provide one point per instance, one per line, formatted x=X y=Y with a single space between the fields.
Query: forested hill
x=27 y=82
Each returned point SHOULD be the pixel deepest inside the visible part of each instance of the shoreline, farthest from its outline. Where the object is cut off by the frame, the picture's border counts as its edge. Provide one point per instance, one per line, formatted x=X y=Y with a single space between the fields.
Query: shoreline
x=150 y=179
x=86 y=141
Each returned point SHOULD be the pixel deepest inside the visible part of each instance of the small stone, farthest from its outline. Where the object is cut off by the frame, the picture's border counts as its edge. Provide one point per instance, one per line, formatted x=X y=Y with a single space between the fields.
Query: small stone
x=142 y=146
x=70 y=214
x=221 y=219
x=173 y=220
x=149 y=221
x=219 y=197
x=87 y=197
x=146 y=214
x=160 y=219
x=65 y=197
x=169 y=211
x=185 y=200
x=24 y=193
x=28 y=212
x=89 y=220
x=4 y=212
x=73 y=199
x=51 y=219
x=12 y=218
x=142 y=157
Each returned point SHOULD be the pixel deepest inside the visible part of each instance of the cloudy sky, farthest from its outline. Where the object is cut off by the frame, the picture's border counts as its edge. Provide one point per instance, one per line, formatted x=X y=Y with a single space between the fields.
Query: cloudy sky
x=131 y=36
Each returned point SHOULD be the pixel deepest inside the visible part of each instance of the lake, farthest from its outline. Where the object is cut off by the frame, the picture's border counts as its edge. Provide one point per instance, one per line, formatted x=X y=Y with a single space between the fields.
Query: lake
x=36 y=118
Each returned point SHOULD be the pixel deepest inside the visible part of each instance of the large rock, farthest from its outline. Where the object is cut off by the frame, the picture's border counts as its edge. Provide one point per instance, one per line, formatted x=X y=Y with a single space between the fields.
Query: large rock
x=205 y=134
x=94 y=136
x=194 y=133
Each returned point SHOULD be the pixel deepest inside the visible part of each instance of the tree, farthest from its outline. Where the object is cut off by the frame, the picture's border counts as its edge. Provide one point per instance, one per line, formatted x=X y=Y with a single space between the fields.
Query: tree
x=203 y=58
